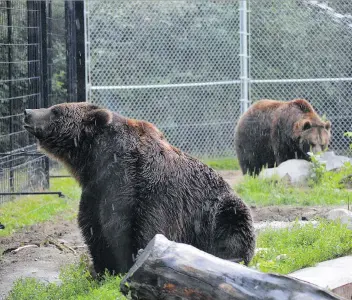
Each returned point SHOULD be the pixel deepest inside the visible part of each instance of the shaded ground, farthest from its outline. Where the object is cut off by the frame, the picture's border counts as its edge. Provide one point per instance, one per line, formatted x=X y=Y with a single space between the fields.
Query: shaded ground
x=44 y=260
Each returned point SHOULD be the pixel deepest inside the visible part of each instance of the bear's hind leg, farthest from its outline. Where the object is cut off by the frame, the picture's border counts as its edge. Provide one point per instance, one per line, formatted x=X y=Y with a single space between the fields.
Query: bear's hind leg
x=100 y=252
x=103 y=257
x=234 y=234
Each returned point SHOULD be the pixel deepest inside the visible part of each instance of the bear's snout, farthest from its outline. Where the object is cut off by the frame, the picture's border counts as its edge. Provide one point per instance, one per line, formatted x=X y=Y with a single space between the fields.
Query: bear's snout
x=27 y=116
x=27 y=112
x=36 y=120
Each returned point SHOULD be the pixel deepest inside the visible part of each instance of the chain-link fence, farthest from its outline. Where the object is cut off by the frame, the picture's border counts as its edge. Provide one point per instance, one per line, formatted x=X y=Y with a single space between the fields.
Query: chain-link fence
x=303 y=48
x=32 y=75
x=173 y=63
x=186 y=65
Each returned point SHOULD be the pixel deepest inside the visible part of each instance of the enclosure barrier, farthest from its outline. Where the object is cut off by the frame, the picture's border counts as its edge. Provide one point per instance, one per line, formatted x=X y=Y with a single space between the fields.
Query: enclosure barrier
x=41 y=65
x=192 y=67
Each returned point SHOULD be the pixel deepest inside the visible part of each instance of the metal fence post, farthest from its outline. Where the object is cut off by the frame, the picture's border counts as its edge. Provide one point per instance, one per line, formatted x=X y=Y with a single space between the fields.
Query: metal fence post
x=71 y=67
x=80 y=50
x=9 y=58
x=75 y=43
x=244 y=57
x=86 y=50
x=44 y=71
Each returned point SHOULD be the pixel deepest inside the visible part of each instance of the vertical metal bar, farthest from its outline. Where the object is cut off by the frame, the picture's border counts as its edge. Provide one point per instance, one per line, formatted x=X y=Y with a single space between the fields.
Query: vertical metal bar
x=87 y=49
x=249 y=51
x=44 y=71
x=30 y=51
x=49 y=50
x=244 y=56
x=30 y=41
x=71 y=66
x=9 y=60
x=80 y=50
x=44 y=53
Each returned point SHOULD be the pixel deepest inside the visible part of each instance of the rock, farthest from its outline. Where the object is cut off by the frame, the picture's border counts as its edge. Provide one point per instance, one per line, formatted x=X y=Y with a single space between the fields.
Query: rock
x=333 y=161
x=346 y=181
x=295 y=171
x=344 y=215
x=281 y=257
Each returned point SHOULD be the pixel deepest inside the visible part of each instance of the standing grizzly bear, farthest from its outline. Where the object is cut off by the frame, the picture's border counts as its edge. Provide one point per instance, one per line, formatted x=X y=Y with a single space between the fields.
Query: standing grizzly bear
x=271 y=132
x=135 y=185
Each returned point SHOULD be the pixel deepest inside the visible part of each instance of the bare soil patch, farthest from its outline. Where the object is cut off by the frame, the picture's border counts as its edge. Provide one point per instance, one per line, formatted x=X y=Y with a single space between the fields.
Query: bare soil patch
x=45 y=259
x=232 y=177
x=290 y=213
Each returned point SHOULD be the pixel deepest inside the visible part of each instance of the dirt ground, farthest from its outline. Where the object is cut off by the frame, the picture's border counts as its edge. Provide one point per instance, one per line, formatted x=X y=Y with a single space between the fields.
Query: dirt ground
x=45 y=258
x=59 y=243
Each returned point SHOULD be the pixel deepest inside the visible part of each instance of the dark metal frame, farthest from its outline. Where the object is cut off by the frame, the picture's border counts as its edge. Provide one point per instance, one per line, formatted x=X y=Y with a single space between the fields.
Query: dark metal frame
x=38 y=44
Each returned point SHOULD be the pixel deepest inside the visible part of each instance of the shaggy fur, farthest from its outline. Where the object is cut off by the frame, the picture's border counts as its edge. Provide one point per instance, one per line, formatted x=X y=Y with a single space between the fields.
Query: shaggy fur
x=271 y=132
x=135 y=185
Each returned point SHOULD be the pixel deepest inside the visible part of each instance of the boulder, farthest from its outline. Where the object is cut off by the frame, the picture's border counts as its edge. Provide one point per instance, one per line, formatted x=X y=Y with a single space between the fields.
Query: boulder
x=341 y=214
x=295 y=171
x=333 y=161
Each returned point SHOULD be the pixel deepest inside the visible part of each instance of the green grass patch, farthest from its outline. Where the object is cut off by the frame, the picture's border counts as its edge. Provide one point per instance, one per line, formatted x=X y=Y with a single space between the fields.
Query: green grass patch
x=76 y=284
x=286 y=250
x=290 y=249
x=328 y=191
x=29 y=210
x=224 y=163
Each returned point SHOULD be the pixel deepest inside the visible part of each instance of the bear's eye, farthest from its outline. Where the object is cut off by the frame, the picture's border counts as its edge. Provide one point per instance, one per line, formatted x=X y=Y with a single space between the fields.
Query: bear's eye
x=55 y=112
x=307 y=125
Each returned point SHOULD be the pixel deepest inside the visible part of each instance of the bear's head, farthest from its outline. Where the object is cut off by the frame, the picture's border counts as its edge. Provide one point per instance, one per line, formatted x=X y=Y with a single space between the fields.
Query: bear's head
x=313 y=134
x=60 y=128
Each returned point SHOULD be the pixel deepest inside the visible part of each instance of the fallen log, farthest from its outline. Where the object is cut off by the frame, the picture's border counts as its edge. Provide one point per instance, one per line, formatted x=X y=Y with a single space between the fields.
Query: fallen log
x=168 y=270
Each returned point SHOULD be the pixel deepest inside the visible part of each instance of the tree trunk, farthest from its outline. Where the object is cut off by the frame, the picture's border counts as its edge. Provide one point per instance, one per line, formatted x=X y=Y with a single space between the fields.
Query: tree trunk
x=168 y=270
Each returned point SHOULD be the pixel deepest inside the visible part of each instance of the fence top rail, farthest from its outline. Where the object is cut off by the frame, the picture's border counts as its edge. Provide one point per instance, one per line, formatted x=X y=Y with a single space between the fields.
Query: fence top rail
x=175 y=85
x=300 y=80
x=156 y=86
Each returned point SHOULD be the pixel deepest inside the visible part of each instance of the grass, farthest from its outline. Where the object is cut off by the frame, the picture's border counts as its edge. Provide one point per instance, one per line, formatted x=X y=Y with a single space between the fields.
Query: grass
x=287 y=250
x=76 y=284
x=29 y=210
x=329 y=191
x=223 y=163
x=297 y=247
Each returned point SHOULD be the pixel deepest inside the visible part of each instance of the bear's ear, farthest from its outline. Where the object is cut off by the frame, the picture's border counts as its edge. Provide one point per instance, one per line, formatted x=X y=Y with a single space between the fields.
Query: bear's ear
x=327 y=125
x=306 y=125
x=303 y=105
x=98 y=117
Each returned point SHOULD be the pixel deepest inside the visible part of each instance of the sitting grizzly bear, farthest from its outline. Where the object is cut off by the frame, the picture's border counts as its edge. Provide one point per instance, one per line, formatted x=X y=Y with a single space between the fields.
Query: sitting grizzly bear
x=135 y=185
x=271 y=132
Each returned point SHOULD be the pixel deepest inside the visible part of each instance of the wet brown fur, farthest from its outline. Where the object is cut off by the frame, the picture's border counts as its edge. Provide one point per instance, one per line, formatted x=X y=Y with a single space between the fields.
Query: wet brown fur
x=135 y=185
x=272 y=131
